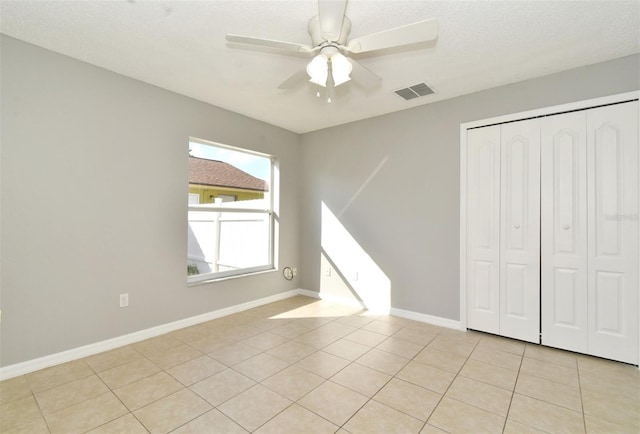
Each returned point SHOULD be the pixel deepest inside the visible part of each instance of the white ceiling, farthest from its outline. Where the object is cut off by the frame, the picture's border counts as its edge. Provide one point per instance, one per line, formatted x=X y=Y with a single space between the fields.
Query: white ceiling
x=180 y=46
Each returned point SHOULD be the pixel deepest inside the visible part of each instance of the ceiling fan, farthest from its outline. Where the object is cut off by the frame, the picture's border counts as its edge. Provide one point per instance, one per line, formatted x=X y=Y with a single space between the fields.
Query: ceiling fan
x=333 y=63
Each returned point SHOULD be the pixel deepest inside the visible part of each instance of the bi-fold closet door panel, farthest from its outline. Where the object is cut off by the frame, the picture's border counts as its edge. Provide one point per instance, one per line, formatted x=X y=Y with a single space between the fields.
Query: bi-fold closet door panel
x=503 y=229
x=564 y=231
x=520 y=230
x=612 y=237
x=589 y=191
x=483 y=229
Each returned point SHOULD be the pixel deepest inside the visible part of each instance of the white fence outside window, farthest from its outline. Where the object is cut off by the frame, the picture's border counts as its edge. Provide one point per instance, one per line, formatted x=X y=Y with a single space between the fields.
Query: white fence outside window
x=228 y=239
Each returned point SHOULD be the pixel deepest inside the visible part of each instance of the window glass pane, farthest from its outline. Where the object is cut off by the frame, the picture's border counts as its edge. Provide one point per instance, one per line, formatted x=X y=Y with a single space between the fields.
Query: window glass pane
x=194 y=198
x=220 y=174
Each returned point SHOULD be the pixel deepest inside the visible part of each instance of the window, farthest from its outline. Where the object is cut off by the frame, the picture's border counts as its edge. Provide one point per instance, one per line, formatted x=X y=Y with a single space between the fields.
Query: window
x=230 y=218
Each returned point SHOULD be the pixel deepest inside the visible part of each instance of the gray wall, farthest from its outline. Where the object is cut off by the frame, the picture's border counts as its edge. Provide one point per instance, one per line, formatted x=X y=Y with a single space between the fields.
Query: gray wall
x=93 y=183
x=394 y=183
x=94 y=192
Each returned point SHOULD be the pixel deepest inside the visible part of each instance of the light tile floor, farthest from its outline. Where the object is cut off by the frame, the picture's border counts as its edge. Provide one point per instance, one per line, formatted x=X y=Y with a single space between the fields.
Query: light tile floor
x=308 y=366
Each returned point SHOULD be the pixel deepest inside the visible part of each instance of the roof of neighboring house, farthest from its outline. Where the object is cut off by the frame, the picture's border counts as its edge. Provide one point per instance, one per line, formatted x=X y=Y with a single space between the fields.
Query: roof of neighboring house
x=221 y=174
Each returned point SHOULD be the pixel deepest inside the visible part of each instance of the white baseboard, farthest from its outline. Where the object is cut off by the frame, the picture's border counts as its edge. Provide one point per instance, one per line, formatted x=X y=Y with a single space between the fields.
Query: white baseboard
x=307 y=293
x=22 y=368
x=429 y=319
x=332 y=298
x=416 y=316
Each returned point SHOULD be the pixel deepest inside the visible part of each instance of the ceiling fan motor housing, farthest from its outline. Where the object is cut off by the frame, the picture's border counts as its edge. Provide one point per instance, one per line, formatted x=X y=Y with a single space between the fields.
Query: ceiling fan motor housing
x=316 y=33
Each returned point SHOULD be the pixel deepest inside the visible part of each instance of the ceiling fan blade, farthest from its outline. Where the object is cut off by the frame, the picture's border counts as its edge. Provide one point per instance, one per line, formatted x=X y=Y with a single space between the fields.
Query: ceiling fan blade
x=295 y=80
x=261 y=42
x=331 y=17
x=422 y=31
x=364 y=76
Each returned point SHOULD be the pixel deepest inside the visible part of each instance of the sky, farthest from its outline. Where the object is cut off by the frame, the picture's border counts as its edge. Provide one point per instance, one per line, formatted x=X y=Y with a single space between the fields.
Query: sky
x=252 y=164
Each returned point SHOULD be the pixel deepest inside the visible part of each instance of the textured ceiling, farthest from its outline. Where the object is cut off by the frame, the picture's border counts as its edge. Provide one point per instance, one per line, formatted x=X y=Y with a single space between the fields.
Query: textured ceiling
x=180 y=46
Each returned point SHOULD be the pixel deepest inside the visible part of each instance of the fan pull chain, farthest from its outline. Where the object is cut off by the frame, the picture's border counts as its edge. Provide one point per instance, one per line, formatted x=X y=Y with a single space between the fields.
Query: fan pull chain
x=330 y=82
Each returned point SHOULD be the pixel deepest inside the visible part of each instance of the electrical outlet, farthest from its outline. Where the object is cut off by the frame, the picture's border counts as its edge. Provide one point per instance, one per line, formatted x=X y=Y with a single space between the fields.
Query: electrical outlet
x=124 y=300
x=327 y=271
x=295 y=271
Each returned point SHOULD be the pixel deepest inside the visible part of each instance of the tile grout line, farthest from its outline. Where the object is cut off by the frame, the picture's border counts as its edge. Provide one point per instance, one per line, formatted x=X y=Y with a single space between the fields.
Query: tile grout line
x=368 y=398
x=276 y=373
x=534 y=374
x=513 y=392
x=409 y=360
x=400 y=379
x=317 y=350
x=584 y=417
x=553 y=403
x=131 y=412
x=449 y=386
x=69 y=406
x=336 y=373
x=33 y=394
x=162 y=370
x=215 y=407
x=412 y=359
x=111 y=391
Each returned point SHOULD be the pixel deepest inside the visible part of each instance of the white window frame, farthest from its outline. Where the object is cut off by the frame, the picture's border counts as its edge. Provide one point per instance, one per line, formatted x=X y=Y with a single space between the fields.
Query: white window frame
x=220 y=208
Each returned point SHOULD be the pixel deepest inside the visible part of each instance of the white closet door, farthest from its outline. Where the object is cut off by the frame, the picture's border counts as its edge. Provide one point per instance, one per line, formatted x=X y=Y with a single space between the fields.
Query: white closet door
x=483 y=228
x=564 y=231
x=612 y=172
x=520 y=231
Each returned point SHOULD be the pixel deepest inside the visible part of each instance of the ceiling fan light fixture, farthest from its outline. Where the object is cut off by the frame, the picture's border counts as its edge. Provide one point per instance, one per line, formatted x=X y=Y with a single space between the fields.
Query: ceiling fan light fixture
x=318 y=70
x=340 y=69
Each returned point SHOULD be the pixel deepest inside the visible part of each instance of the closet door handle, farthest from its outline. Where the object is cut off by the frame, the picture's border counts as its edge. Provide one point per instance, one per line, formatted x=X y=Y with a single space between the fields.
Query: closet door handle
x=517 y=226
x=565 y=227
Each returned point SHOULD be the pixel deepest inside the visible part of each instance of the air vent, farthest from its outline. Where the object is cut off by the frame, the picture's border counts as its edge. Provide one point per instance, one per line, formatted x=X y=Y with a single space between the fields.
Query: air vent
x=407 y=93
x=422 y=89
x=415 y=91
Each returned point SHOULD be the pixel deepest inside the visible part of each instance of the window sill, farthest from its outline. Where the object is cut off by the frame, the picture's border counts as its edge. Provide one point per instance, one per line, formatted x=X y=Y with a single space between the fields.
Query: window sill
x=222 y=279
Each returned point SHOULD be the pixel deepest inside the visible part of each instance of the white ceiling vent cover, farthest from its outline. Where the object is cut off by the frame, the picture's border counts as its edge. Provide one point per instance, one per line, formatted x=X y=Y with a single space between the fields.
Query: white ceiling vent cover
x=415 y=91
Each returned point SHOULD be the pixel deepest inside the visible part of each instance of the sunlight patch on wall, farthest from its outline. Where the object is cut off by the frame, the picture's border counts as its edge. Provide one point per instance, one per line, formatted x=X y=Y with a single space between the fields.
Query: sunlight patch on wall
x=348 y=261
